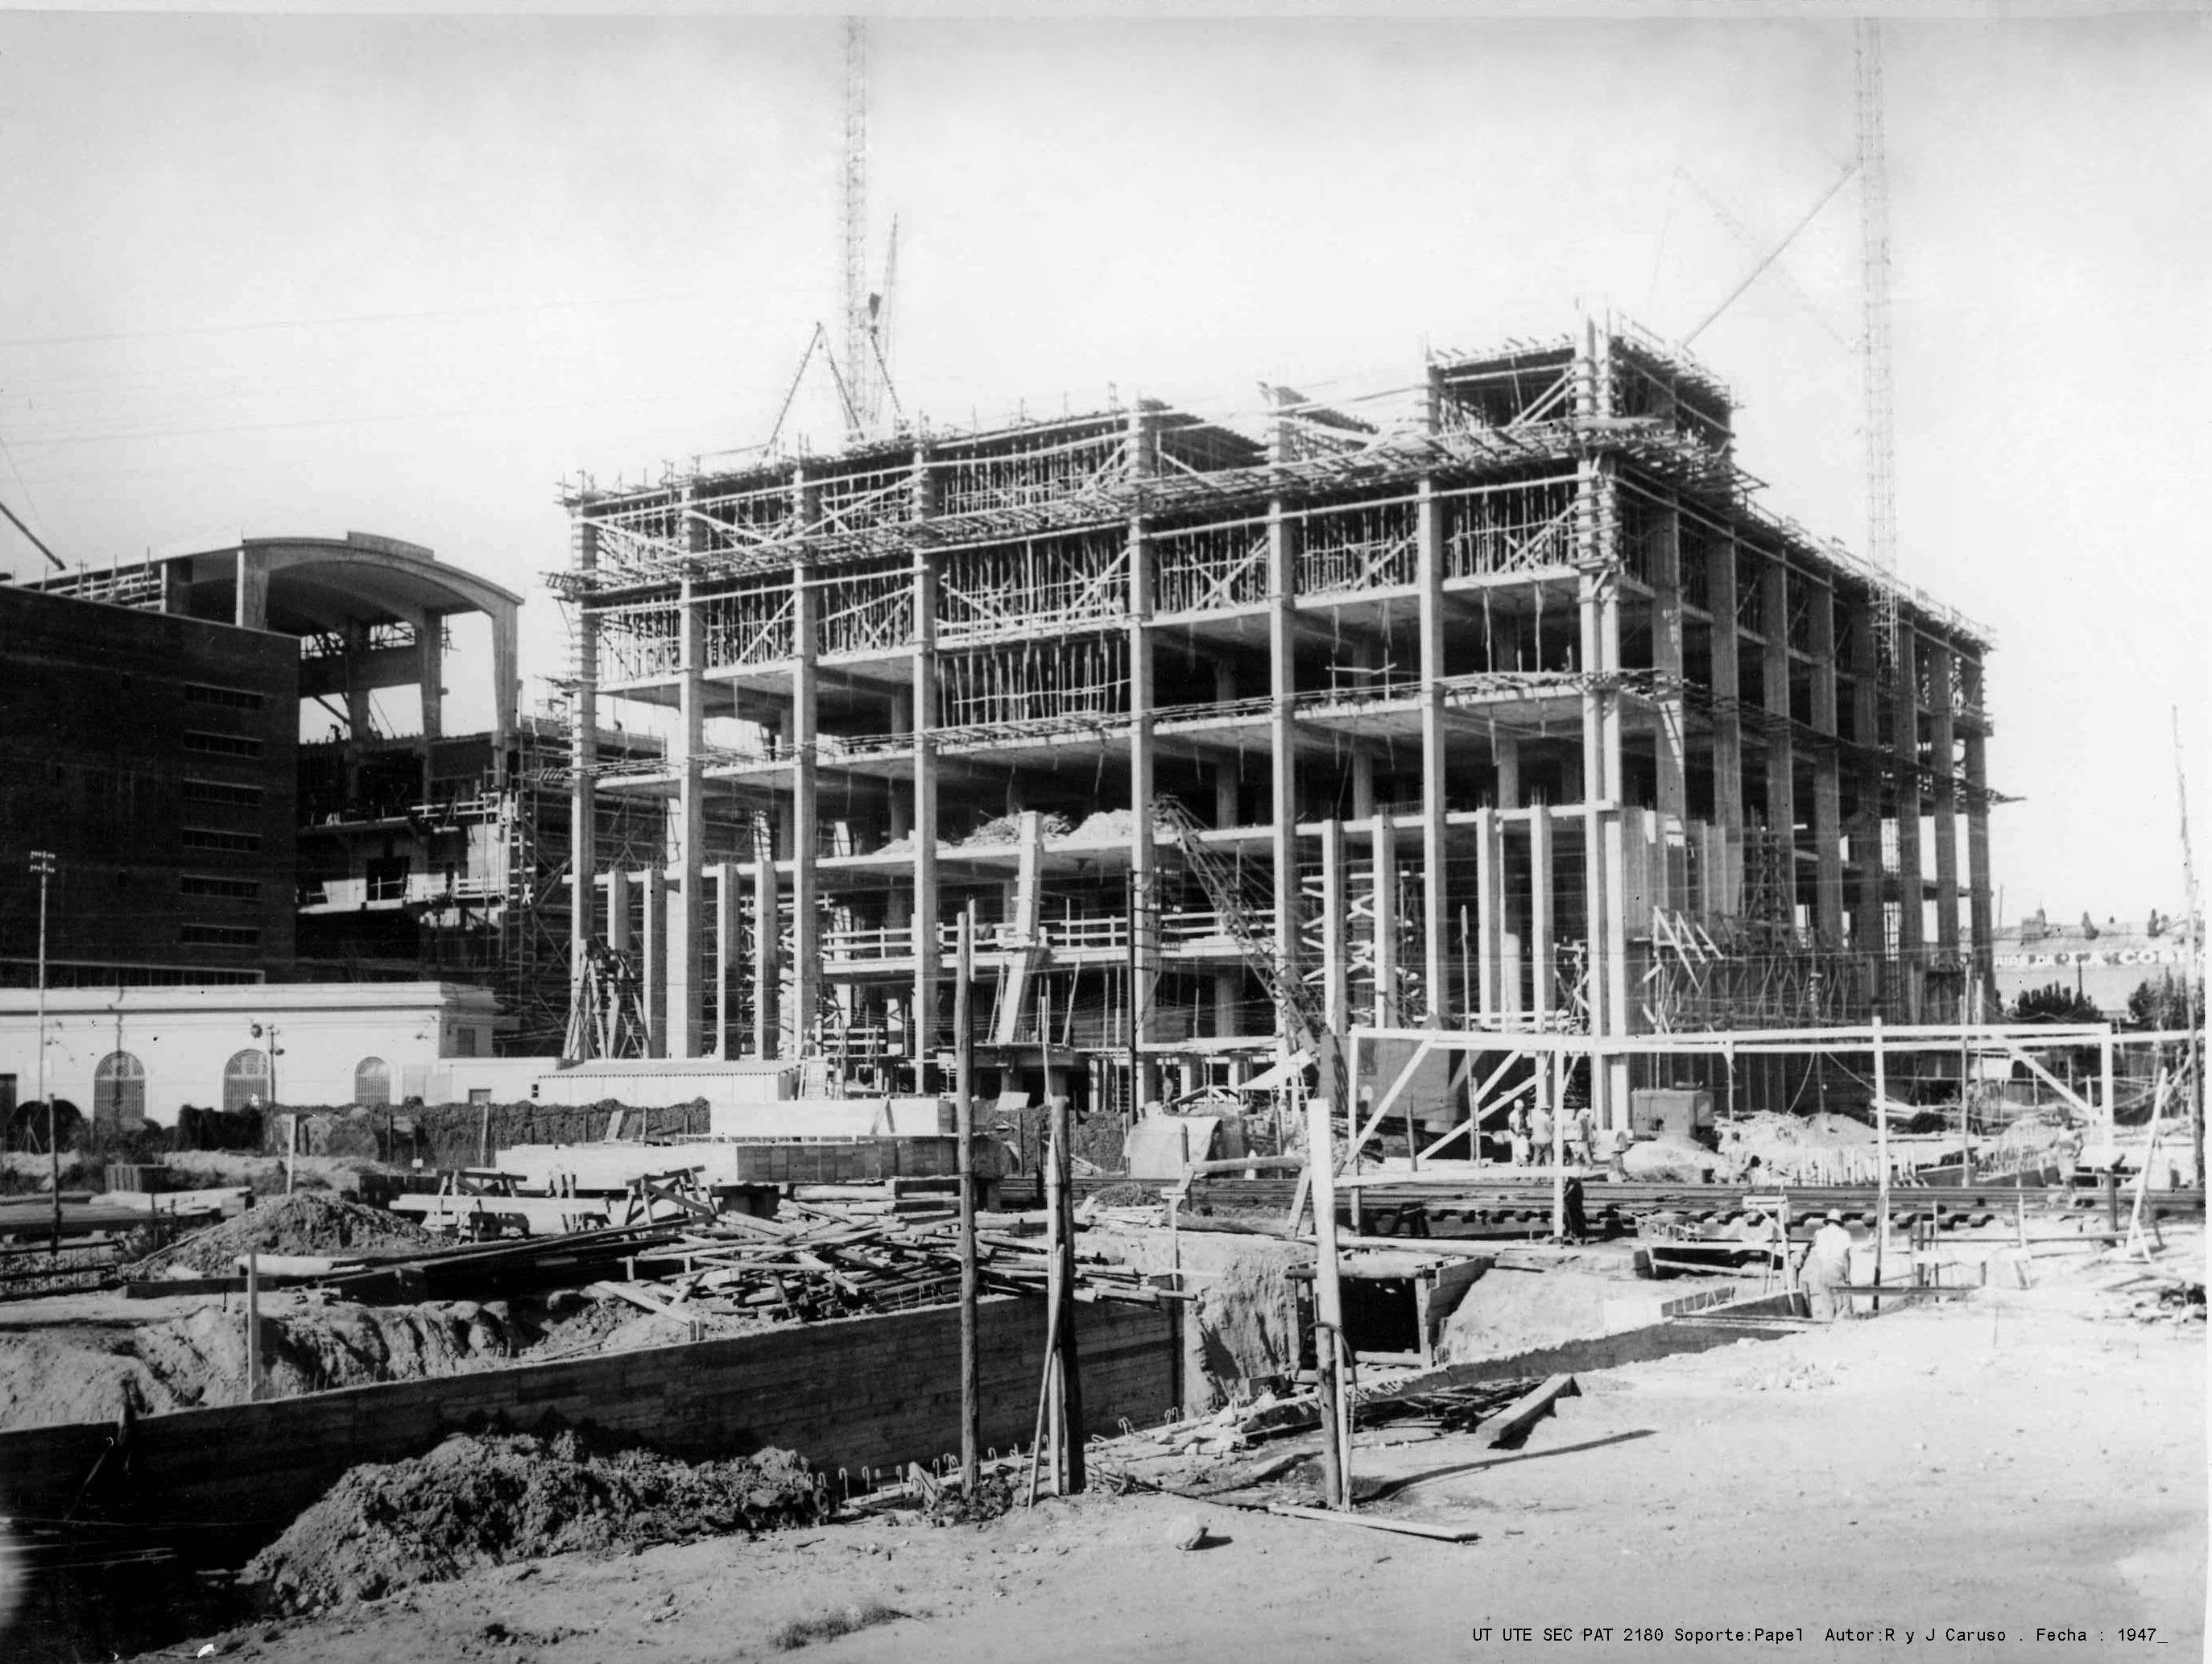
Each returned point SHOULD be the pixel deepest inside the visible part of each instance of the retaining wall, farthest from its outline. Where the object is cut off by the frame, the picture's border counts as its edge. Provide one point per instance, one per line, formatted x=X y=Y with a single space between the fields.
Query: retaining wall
x=852 y=1392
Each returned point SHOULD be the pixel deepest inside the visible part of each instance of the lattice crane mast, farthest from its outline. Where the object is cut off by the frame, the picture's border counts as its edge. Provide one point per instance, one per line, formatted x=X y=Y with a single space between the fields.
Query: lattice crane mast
x=1873 y=166
x=1304 y=1019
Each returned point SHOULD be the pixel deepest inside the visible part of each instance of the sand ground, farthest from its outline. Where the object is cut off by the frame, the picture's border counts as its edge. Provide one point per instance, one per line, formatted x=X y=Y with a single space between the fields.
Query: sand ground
x=2019 y=1461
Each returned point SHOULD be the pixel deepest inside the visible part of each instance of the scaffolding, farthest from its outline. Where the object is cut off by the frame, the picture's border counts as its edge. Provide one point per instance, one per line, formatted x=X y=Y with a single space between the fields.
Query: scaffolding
x=1496 y=700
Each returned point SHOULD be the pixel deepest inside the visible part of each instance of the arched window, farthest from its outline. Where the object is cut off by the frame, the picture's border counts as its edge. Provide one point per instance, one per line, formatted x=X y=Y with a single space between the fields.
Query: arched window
x=246 y=1081
x=119 y=1092
x=372 y=1083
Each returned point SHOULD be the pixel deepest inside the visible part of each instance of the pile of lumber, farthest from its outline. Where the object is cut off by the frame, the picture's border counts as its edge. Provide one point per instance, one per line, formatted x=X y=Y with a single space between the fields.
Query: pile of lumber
x=849 y=1257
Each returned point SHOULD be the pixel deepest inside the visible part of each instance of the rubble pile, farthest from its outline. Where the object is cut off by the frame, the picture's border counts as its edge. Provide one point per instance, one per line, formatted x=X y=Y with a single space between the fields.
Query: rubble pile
x=307 y=1222
x=485 y=1501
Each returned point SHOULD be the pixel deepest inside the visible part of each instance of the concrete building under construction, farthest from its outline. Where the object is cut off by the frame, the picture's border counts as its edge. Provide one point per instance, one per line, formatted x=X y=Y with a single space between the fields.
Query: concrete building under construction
x=1493 y=701
x=292 y=802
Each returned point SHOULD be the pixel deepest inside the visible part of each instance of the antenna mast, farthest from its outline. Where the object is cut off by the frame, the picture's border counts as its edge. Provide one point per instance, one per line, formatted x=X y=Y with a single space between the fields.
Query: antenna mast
x=859 y=347
x=1881 y=418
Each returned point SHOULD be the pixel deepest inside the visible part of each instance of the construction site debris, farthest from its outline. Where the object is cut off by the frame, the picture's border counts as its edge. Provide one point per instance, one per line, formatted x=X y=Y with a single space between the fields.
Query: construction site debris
x=304 y=1223
x=1007 y=829
x=477 y=1501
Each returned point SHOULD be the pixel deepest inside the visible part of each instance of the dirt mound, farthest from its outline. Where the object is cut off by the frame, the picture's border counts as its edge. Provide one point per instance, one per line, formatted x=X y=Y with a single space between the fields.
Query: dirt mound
x=303 y=1223
x=1508 y=1312
x=1243 y=1327
x=1671 y=1160
x=88 y=1373
x=478 y=1501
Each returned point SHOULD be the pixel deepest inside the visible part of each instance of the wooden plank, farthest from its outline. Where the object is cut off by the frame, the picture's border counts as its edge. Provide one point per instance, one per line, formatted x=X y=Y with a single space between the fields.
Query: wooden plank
x=1527 y=1411
x=1378 y=1522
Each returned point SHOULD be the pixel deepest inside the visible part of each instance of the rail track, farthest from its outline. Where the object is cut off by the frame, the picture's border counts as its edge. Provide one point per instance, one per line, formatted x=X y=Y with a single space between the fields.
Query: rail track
x=1492 y=1202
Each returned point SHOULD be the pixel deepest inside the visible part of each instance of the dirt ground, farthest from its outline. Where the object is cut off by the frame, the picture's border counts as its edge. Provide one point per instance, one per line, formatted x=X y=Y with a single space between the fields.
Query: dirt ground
x=2017 y=1460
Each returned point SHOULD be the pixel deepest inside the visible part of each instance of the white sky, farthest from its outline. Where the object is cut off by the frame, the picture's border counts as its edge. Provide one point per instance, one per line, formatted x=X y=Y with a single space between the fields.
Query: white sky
x=272 y=274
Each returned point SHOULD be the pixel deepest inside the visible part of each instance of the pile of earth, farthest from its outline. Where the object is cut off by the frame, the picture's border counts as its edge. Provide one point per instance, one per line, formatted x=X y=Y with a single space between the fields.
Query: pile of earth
x=1240 y=1332
x=88 y=1372
x=485 y=1501
x=305 y=1222
x=1507 y=1311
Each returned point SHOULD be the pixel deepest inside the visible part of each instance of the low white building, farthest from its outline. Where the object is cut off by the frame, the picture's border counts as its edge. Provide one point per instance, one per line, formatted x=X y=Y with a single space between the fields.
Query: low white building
x=125 y=1055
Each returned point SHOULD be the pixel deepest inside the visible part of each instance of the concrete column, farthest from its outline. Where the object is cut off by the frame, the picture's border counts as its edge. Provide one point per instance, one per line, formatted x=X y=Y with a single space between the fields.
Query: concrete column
x=250 y=604
x=900 y=807
x=1725 y=897
x=1980 y=925
x=767 y=969
x=1505 y=756
x=429 y=679
x=805 y=801
x=1590 y=657
x=1781 y=754
x=618 y=924
x=687 y=832
x=1489 y=915
x=1144 y=859
x=1911 y=928
x=1383 y=855
x=1618 y=926
x=1827 y=776
x=1866 y=826
x=583 y=760
x=653 y=958
x=1671 y=744
x=1944 y=753
x=1435 y=855
x=359 y=715
x=1228 y=998
x=728 y=974
x=1542 y=952
x=927 y=947
x=506 y=691
x=1336 y=930
x=1282 y=689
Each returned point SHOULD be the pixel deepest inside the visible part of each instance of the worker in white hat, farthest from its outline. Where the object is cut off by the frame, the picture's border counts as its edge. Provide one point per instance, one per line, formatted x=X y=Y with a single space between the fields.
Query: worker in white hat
x=1828 y=1268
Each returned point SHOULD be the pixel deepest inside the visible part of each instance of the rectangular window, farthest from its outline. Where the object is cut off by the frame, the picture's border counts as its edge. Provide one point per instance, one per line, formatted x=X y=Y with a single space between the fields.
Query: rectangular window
x=230 y=698
x=479 y=1094
x=231 y=889
x=218 y=791
x=464 y=1042
x=217 y=936
x=221 y=745
x=208 y=840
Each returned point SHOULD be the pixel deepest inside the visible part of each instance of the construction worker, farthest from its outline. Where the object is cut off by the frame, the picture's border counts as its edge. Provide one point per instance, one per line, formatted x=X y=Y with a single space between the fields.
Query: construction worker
x=1516 y=1133
x=1540 y=1133
x=1581 y=1137
x=1828 y=1268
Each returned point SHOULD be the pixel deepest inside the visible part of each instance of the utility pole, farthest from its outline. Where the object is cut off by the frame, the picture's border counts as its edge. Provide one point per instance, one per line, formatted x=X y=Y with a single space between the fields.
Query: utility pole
x=42 y=864
x=964 y=1040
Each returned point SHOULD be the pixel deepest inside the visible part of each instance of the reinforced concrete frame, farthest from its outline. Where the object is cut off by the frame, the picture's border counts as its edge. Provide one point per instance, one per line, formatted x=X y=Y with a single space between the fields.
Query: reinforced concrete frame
x=1499 y=685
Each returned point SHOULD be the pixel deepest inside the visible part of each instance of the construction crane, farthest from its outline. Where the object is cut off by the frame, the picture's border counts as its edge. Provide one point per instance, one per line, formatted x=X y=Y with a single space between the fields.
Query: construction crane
x=1305 y=1023
x=2193 y=970
x=1872 y=167
x=859 y=348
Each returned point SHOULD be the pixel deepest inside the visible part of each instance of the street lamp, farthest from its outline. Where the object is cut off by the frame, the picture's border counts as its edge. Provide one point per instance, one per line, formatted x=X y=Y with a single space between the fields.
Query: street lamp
x=42 y=864
x=291 y=1129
